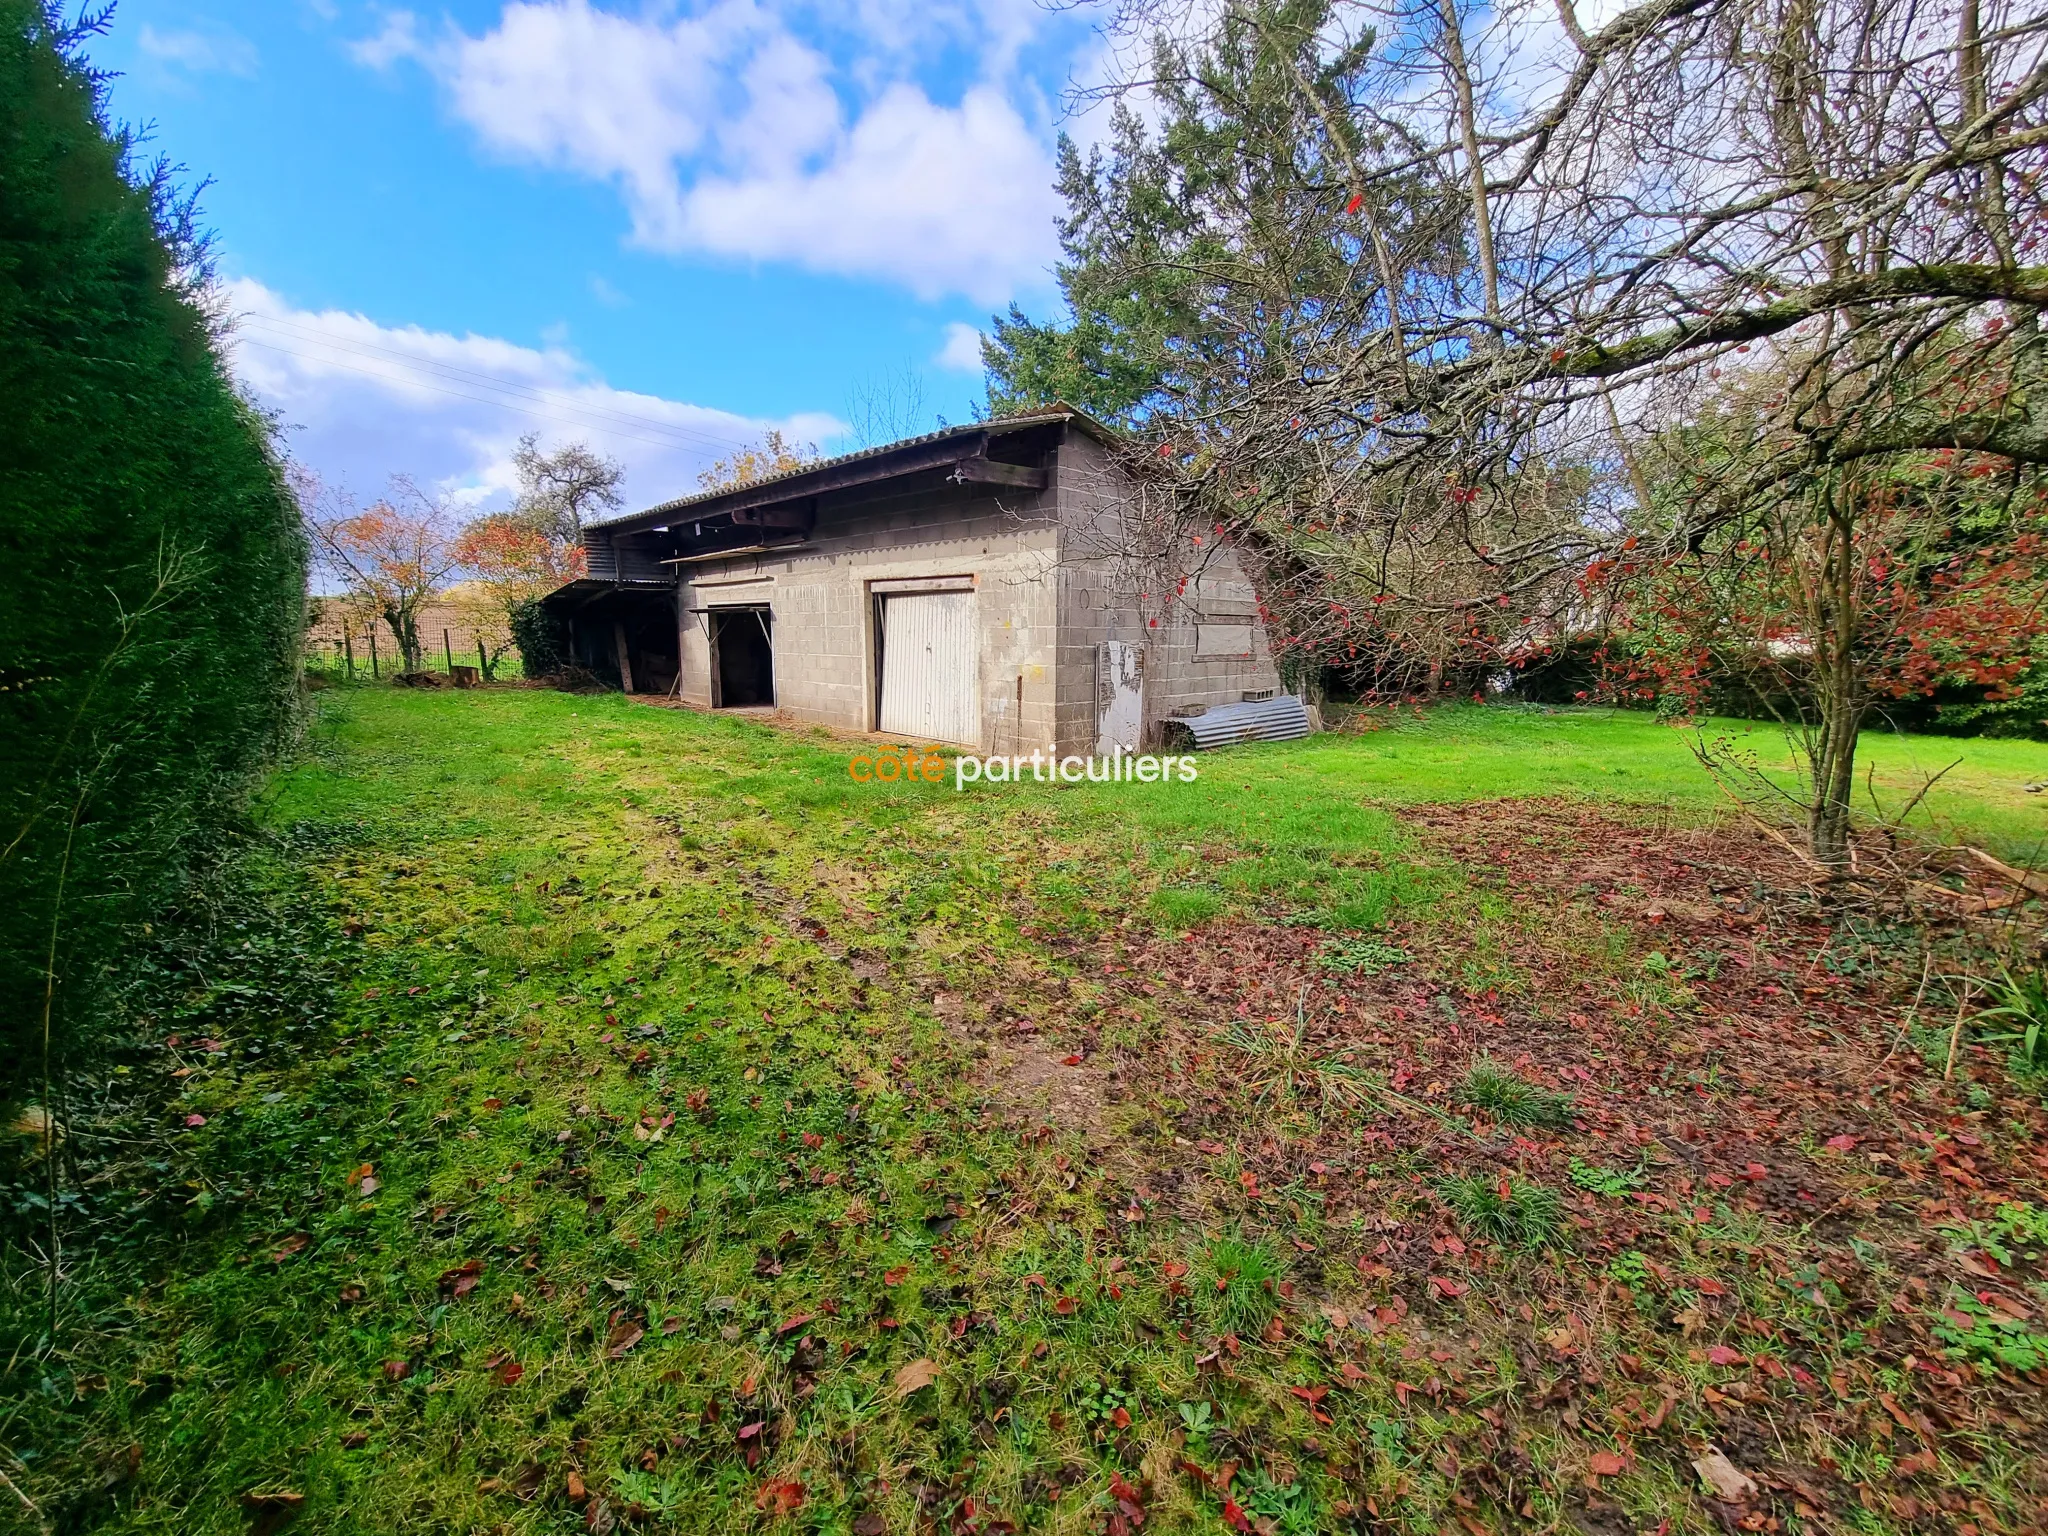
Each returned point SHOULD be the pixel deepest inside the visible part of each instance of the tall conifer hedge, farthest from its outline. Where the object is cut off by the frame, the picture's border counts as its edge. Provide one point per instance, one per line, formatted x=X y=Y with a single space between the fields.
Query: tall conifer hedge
x=152 y=571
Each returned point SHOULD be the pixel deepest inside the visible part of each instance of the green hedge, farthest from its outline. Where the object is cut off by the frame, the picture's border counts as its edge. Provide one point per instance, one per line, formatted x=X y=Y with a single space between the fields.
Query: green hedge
x=152 y=568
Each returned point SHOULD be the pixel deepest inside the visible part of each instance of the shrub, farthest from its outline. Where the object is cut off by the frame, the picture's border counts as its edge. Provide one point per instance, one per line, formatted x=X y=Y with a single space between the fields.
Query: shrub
x=543 y=639
x=1513 y=1100
x=151 y=558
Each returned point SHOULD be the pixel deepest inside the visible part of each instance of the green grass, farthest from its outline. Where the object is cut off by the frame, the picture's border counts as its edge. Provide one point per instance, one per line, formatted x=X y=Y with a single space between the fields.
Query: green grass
x=1525 y=1216
x=1513 y=1100
x=679 y=1186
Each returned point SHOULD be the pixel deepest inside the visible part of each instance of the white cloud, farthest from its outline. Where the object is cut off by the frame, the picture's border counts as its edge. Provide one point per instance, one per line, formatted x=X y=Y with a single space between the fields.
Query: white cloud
x=398 y=38
x=962 y=349
x=363 y=401
x=728 y=132
x=198 y=51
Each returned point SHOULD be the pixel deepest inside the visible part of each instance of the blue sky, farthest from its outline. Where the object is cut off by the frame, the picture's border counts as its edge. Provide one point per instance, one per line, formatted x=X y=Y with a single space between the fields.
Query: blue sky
x=658 y=227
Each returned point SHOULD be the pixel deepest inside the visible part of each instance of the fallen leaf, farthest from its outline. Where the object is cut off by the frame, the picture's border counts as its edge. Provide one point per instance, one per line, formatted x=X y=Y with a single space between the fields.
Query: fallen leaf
x=897 y=1275
x=1605 y=1464
x=269 y=1511
x=915 y=1376
x=1066 y=1306
x=1721 y=1354
x=1070 y=1061
x=461 y=1280
x=1445 y=1286
x=779 y=1499
x=622 y=1338
x=397 y=1370
x=1723 y=1477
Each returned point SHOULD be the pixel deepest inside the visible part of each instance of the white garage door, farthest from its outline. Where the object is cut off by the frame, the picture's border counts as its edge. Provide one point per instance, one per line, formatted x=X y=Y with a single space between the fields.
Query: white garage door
x=929 y=668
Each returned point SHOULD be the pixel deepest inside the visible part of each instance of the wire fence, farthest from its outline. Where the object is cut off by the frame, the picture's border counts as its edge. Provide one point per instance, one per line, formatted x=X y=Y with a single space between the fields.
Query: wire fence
x=364 y=656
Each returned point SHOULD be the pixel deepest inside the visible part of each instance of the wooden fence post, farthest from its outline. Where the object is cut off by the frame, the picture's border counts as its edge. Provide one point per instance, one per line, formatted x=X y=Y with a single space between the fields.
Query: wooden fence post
x=374 y=673
x=348 y=651
x=448 y=653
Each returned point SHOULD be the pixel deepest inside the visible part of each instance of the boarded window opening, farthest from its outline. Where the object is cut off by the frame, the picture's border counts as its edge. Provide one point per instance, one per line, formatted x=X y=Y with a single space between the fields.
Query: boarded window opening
x=1221 y=639
x=743 y=657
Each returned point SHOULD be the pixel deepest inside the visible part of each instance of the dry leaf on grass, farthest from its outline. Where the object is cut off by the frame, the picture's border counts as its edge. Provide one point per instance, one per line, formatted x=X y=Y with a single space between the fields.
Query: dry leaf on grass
x=916 y=1375
x=1723 y=1477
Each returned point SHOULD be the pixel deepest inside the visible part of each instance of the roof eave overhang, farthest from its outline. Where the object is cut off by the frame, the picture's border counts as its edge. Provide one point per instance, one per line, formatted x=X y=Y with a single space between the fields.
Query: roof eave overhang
x=961 y=446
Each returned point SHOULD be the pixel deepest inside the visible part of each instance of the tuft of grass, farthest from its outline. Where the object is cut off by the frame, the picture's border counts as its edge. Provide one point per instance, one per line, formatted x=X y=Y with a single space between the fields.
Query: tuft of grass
x=1184 y=906
x=2020 y=1003
x=1513 y=1100
x=1511 y=1212
x=1243 y=1280
x=1282 y=1065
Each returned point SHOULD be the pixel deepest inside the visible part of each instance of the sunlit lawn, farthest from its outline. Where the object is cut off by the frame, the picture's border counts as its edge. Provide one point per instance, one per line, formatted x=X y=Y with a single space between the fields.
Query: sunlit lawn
x=630 y=1170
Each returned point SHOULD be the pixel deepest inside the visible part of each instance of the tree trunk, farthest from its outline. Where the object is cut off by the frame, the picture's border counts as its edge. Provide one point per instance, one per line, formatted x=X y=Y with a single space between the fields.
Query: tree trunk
x=1833 y=765
x=1475 y=166
x=1838 y=695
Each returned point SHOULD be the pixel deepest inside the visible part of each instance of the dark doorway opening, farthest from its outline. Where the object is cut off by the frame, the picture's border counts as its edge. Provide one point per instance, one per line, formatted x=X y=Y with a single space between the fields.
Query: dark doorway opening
x=742 y=657
x=627 y=638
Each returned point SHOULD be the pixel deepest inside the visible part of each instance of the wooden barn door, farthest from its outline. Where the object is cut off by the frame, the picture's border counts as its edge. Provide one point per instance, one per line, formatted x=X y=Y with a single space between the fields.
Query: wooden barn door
x=930 y=668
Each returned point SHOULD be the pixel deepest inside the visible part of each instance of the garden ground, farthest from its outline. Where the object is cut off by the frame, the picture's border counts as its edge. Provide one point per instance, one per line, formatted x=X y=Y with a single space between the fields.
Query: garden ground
x=570 y=1114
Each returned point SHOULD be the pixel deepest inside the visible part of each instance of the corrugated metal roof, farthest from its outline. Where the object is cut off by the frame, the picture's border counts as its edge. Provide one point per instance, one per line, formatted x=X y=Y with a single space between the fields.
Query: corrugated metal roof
x=1279 y=719
x=1002 y=424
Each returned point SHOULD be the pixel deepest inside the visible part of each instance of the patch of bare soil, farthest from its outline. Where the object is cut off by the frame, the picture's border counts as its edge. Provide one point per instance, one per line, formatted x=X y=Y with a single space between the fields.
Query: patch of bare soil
x=1035 y=1069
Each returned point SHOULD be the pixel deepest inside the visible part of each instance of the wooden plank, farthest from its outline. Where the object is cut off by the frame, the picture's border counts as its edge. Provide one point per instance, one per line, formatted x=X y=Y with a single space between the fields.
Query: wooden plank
x=625 y=656
x=979 y=471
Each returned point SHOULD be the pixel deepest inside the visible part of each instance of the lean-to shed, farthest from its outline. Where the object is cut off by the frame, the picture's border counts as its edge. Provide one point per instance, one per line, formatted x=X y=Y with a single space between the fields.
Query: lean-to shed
x=996 y=586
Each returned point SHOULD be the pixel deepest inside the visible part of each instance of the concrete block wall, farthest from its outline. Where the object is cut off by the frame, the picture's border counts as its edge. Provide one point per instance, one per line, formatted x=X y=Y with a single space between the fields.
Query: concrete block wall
x=1125 y=576
x=821 y=597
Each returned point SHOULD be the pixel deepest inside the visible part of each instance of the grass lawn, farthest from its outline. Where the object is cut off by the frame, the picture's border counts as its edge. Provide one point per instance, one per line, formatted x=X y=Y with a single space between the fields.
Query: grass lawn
x=573 y=1115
